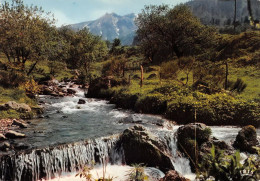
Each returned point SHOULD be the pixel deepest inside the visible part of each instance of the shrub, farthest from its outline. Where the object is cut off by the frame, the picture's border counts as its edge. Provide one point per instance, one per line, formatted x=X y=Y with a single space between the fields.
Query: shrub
x=152 y=103
x=169 y=69
x=11 y=78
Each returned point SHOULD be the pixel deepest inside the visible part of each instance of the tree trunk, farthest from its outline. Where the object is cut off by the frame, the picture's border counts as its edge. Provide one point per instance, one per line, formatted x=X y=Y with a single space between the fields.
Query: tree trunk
x=142 y=76
x=226 y=79
x=187 y=78
x=250 y=12
x=31 y=69
x=235 y=15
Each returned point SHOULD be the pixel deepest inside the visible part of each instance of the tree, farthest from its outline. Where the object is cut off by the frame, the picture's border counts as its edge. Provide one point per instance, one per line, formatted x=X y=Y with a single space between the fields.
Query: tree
x=164 y=32
x=25 y=32
x=81 y=48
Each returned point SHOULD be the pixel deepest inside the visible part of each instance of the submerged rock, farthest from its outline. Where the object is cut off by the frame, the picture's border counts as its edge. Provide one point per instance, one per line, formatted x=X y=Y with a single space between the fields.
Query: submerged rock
x=81 y=101
x=14 y=134
x=2 y=137
x=21 y=146
x=246 y=139
x=173 y=175
x=141 y=146
x=71 y=91
x=20 y=123
x=5 y=146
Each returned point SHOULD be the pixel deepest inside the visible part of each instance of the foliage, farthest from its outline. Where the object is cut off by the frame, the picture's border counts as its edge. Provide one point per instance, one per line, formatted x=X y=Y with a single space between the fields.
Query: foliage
x=137 y=173
x=164 y=32
x=85 y=173
x=169 y=70
x=11 y=78
x=31 y=87
x=228 y=167
x=238 y=86
x=25 y=32
x=81 y=48
x=115 y=67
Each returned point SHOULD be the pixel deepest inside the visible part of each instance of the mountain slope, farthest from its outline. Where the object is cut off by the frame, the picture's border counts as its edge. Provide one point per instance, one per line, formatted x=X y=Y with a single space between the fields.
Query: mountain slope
x=111 y=26
x=221 y=12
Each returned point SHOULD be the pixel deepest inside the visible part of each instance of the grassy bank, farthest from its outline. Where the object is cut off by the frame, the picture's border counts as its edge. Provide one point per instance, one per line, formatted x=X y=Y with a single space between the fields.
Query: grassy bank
x=182 y=103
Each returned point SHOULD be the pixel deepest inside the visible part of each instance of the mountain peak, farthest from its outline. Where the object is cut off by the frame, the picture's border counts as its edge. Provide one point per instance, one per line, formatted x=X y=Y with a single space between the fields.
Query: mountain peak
x=111 y=26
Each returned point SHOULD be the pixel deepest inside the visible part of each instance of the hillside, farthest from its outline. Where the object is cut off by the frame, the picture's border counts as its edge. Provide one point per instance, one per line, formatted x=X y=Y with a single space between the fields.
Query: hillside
x=221 y=12
x=111 y=26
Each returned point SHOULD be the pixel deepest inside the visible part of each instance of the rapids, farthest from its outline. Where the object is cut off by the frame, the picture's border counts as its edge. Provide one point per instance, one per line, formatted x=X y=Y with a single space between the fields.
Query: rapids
x=72 y=135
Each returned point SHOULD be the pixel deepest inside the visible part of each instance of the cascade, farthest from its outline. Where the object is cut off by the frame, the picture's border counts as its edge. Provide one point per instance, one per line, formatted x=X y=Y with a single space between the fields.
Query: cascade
x=50 y=162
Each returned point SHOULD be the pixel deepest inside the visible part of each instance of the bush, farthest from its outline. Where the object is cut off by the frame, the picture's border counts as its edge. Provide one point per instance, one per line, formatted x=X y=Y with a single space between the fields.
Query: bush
x=152 y=103
x=215 y=109
x=169 y=69
x=11 y=78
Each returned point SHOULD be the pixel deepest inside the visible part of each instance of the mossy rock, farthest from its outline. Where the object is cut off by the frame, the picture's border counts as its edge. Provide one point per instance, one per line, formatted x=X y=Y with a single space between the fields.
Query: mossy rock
x=141 y=146
x=246 y=139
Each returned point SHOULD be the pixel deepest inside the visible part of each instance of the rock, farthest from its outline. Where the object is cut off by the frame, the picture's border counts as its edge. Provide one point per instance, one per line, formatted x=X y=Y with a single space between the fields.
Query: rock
x=186 y=139
x=38 y=109
x=40 y=116
x=47 y=91
x=219 y=145
x=20 y=123
x=173 y=175
x=14 y=134
x=151 y=76
x=5 y=146
x=246 y=139
x=188 y=131
x=81 y=101
x=54 y=94
x=64 y=117
x=141 y=146
x=23 y=108
x=131 y=119
x=21 y=146
x=2 y=137
x=61 y=94
x=71 y=91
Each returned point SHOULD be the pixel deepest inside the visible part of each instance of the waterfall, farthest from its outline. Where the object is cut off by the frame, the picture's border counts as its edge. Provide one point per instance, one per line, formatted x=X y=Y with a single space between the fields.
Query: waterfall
x=50 y=162
x=180 y=163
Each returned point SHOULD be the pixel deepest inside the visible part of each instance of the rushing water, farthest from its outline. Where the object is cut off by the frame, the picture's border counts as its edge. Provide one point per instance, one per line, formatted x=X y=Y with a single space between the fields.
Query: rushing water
x=72 y=135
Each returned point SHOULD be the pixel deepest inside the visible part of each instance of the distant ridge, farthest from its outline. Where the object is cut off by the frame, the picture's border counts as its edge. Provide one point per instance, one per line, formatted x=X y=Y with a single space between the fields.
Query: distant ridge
x=111 y=26
x=221 y=12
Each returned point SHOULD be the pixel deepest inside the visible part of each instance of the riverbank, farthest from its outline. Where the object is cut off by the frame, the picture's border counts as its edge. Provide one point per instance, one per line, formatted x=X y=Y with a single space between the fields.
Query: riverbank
x=177 y=102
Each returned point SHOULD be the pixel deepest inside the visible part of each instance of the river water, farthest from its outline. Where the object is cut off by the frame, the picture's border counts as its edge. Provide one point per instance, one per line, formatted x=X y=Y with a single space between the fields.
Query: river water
x=73 y=135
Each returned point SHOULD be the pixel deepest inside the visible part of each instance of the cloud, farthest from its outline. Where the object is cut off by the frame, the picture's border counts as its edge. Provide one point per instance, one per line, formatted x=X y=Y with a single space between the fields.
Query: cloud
x=62 y=18
x=116 y=2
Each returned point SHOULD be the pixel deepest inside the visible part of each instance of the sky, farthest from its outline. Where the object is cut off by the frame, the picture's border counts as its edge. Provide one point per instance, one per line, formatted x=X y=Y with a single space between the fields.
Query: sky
x=76 y=11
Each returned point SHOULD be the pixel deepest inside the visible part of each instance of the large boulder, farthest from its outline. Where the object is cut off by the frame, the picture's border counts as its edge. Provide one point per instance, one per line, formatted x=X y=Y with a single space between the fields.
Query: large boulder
x=13 y=134
x=246 y=139
x=173 y=175
x=190 y=138
x=141 y=146
x=23 y=108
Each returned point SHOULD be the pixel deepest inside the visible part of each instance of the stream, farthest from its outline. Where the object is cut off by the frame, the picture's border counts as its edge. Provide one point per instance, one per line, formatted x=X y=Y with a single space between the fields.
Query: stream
x=72 y=135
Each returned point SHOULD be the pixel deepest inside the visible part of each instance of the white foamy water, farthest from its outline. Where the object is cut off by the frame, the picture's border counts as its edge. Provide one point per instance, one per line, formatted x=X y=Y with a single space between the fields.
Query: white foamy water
x=117 y=172
x=69 y=122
